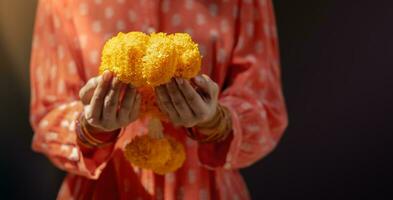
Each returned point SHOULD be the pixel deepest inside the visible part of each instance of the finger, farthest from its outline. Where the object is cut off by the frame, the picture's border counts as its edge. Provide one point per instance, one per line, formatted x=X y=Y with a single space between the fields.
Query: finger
x=111 y=101
x=87 y=91
x=134 y=113
x=165 y=104
x=97 y=100
x=179 y=102
x=194 y=100
x=127 y=104
x=207 y=85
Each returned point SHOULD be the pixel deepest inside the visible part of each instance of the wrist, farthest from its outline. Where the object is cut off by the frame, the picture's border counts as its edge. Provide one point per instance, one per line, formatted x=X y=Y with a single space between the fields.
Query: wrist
x=211 y=121
x=94 y=130
x=91 y=136
x=217 y=130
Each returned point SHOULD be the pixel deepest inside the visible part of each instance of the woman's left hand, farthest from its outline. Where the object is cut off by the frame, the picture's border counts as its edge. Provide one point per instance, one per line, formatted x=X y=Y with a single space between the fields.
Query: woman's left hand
x=185 y=105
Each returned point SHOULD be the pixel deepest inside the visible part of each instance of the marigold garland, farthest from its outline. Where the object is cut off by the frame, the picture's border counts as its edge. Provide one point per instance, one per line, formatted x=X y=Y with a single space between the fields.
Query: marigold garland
x=146 y=61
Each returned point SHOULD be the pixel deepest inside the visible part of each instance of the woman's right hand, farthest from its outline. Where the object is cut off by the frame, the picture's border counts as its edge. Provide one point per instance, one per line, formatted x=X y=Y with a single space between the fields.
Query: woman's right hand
x=103 y=110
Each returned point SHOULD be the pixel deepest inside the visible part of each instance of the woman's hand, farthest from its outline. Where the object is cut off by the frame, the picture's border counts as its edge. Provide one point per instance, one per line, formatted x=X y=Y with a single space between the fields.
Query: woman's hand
x=103 y=110
x=185 y=105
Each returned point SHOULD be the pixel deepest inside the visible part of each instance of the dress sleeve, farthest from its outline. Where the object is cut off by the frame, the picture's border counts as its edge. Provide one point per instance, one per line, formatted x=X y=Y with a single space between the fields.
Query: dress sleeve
x=253 y=93
x=56 y=77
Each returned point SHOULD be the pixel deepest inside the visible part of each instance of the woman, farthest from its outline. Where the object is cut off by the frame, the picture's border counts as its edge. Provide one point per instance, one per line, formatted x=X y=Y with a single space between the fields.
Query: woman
x=238 y=41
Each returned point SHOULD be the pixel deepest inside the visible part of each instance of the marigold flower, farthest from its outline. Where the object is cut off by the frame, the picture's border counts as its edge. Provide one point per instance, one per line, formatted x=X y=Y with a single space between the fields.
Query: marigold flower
x=146 y=152
x=145 y=62
x=176 y=160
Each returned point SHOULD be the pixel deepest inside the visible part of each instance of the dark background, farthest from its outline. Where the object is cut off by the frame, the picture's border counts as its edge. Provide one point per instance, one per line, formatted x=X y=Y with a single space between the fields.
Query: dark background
x=337 y=78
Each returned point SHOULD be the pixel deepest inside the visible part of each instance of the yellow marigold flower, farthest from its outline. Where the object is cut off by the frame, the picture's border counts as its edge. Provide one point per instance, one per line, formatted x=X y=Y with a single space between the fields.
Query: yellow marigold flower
x=159 y=63
x=144 y=60
x=123 y=55
x=146 y=152
x=189 y=58
x=176 y=160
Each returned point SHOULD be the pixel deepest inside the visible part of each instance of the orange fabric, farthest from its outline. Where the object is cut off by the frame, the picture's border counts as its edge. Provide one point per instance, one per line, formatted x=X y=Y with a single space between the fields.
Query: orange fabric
x=238 y=41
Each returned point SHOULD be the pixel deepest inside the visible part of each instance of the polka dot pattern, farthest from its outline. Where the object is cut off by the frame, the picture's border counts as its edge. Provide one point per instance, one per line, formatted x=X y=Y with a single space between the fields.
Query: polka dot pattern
x=231 y=34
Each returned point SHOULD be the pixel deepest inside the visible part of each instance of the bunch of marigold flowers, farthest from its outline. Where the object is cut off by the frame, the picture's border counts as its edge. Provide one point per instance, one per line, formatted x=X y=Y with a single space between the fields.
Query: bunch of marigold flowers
x=146 y=61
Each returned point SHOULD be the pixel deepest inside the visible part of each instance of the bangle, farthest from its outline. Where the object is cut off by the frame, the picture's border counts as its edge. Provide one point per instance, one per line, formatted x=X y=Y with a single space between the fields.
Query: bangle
x=87 y=139
x=216 y=131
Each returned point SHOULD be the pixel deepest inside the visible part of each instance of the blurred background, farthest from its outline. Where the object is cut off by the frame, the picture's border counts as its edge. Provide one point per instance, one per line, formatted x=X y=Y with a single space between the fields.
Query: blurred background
x=337 y=73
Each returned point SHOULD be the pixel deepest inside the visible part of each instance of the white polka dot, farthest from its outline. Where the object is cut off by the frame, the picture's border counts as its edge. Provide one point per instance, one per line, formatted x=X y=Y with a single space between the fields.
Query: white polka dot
x=246 y=147
x=240 y=43
x=51 y=98
x=213 y=34
x=266 y=29
x=258 y=46
x=64 y=123
x=62 y=107
x=132 y=16
x=51 y=40
x=200 y=19
x=44 y=146
x=189 y=31
x=51 y=136
x=227 y=166
x=203 y=194
x=120 y=25
x=202 y=49
x=224 y=25
x=109 y=12
x=176 y=20
x=165 y=6
x=191 y=176
x=250 y=29
x=64 y=148
x=151 y=30
x=262 y=140
x=71 y=67
x=56 y=21
x=221 y=55
x=94 y=56
x=213 y=9
x=44 y=123
x=246 y=106
x=61 y=87
x=83 y=41
x=60 y=52
x=235 y=11
x=74 y=156
x=98 y=1
x=108 y=36
x=262 y=2
x=121 y=1
x=53 y=72
x=273 y=30
x=189 y=4
x=96 y=26
x=83 y=9
x=72 y=126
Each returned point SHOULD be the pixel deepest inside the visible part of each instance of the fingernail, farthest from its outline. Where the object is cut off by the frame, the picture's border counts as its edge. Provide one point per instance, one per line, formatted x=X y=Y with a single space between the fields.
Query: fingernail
x=199 y=79
x=179 y=80
x=107 y=75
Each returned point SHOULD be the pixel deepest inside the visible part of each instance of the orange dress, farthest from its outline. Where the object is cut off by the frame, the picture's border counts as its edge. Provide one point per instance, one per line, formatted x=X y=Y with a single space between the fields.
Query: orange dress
x=238 y=41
